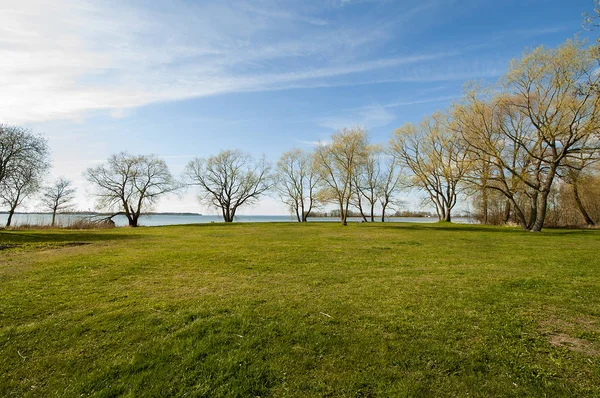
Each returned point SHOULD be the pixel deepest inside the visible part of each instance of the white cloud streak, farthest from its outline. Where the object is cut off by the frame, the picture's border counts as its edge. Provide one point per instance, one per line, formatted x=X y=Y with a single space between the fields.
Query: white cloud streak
x=65 y=58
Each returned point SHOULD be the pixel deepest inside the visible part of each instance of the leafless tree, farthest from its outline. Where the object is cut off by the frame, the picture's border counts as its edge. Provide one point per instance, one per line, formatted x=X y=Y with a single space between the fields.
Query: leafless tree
x=297 y=180
x=577 y=171
x=58 y=197
x=229 y=180
x=436 y=159
x=389 y=184
x=17 y=187
x=547 y=114
x=338 y=162
x=131 y=183
x=366 y=180
x=499 y=164
x=376 y=181
x=24 y=158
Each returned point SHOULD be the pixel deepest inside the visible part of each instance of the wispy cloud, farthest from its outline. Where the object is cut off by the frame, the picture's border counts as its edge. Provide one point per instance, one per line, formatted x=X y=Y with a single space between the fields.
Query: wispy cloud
x=64 y=58
x=422 y=101
x=313 y=143
x=375 y=115
x=369 y=116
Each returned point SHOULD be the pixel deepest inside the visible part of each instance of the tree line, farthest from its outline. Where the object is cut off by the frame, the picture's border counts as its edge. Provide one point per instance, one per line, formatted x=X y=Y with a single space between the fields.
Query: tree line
x=524 y=150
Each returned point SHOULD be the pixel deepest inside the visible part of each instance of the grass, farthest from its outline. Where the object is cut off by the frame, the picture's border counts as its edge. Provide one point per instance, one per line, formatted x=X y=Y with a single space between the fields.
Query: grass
x=295 y=310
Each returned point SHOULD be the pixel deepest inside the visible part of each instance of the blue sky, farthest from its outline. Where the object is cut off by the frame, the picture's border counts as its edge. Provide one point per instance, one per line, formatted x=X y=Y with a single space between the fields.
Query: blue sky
x=189 y=78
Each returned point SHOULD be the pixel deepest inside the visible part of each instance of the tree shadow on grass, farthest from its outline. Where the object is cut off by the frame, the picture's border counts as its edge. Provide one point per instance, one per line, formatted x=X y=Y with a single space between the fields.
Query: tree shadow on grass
x=63 y=236
x=482 y=228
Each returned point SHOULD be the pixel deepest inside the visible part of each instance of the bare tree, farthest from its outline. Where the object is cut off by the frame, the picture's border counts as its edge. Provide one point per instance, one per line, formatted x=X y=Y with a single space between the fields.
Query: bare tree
x=436 y=159
x=366 y=180
x=389 y=184
x=131 y=183
x=376 y=181
x=297 y=181
x=579 y=197
x=338 y=162
x=58 y=197
x=575 y=174
x=17 y=187
x=229 y=180
x=557 y=91
x=499 y=164
x=24 y=158
x=547 y=114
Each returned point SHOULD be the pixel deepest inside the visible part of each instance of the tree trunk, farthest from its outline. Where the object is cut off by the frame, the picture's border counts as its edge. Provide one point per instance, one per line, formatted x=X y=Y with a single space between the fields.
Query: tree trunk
x=588 y=220
x=343 y=214
x=383 y=207
x=484 y=205
x=227 y=214
x=372 y=212
x=542 y=205
x=362 y=214
x=10 y=216
x=133 y=222
x=542 y=201
x=307 y=212
x=506 y=217
x=53 y=223
x=533 y=211
x=447 y=215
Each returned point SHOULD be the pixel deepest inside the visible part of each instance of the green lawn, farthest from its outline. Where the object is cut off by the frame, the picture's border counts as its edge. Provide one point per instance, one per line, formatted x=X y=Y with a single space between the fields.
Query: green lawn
x=300 y=310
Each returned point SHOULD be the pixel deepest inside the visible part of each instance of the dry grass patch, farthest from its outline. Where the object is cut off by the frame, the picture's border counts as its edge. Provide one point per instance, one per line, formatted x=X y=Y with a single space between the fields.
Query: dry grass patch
x=561 y=333
x=573 y=344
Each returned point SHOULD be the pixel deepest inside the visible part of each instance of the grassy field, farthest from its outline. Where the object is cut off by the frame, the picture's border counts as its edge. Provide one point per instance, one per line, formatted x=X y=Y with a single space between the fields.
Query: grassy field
x=300 y=310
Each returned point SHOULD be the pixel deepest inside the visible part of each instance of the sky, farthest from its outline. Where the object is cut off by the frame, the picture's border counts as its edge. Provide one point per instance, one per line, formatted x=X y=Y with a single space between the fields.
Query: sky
x=184 y=79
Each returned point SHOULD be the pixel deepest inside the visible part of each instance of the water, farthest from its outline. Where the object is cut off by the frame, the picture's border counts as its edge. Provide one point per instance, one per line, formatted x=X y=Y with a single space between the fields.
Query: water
x=168 y=219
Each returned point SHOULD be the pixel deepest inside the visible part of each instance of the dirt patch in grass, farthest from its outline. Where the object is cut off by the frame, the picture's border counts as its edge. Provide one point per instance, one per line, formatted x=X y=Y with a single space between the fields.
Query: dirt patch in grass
x=6 y=247
x=560 y=333
x=573 y=344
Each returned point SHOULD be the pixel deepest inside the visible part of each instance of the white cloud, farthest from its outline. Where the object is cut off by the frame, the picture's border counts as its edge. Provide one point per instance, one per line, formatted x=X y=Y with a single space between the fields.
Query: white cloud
x=369 y=116
x=64 y=58
x=314 y=143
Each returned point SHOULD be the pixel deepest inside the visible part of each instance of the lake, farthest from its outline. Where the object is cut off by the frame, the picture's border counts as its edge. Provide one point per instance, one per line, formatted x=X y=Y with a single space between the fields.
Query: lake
x=168 y=219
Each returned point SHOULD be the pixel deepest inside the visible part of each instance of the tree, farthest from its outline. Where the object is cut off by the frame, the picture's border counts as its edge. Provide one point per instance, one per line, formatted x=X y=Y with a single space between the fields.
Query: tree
x=19 y=186
x=366 y=179
x=24 y=158
x=297 y=180
x=436 y=159
x=131 y=183
x=576 y=175
x=58 y=197
x=546 y=115
x=579 y=197
x=338 y=162
x=556 y=91
x=388 y=185
x=375 y=182
x=229 y=180
x=499 y=164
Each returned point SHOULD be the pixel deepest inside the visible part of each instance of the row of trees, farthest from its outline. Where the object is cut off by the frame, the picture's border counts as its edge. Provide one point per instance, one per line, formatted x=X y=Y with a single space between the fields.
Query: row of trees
x=538 y=129
x=519 y=150
x=348 y=171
